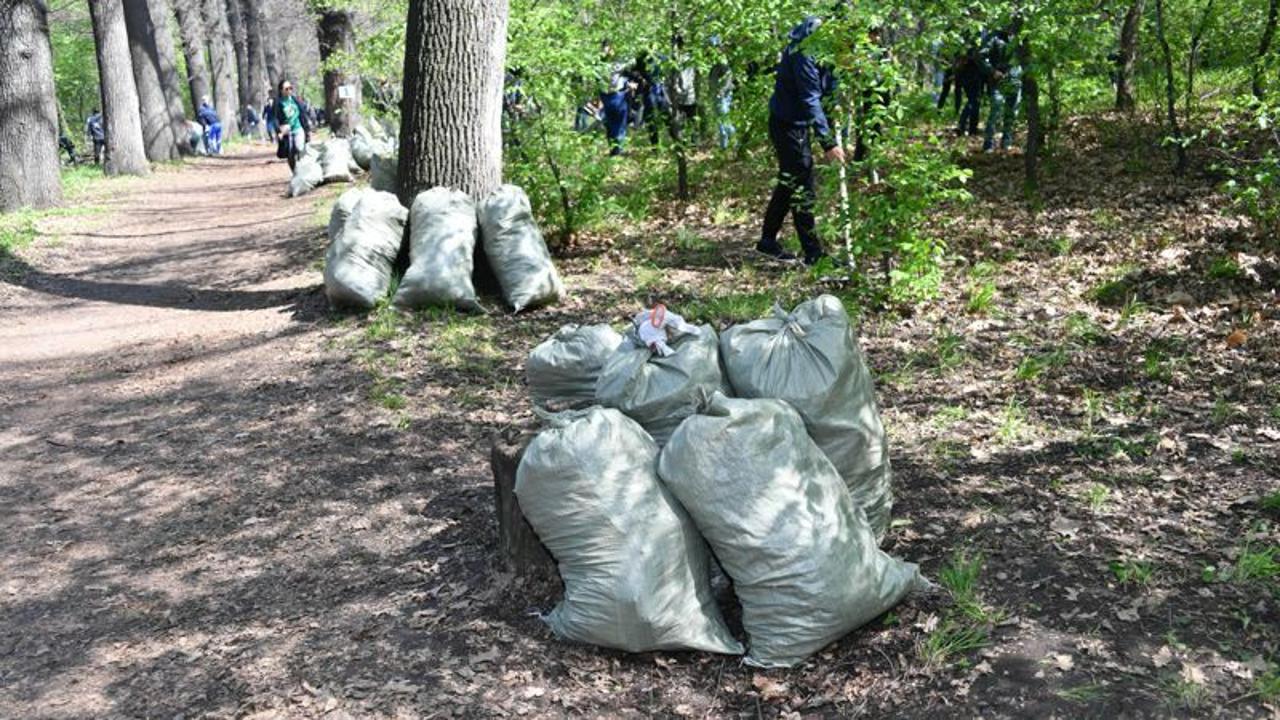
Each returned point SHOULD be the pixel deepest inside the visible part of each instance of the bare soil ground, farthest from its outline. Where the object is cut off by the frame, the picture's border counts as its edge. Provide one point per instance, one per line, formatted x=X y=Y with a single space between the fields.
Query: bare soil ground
x=219 y=500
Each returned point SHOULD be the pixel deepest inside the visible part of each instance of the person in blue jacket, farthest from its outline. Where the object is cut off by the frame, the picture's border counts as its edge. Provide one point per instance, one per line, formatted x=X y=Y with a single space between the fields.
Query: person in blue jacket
x=615 y=97
x=208 y=117
x=794 y=110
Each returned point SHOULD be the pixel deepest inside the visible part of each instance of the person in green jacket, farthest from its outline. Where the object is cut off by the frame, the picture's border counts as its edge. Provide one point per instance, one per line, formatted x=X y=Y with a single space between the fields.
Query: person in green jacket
x=291 y=122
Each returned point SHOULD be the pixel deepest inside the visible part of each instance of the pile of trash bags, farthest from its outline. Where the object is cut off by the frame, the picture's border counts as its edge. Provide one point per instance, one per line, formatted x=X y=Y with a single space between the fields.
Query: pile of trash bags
x=367 y=225
x=670 y=449
x=339 y=160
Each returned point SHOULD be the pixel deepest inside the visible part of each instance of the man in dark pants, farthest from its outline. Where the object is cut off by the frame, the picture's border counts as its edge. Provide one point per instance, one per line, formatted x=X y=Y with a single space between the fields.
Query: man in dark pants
x=94 y=129
x=796 y=106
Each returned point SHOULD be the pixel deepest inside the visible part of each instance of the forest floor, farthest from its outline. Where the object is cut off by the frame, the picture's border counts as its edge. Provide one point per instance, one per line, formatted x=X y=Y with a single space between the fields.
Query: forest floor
x=220 y=500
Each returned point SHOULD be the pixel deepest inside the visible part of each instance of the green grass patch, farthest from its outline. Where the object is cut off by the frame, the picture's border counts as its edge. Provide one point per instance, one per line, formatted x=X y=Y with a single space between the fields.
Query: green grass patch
x=1224 y=268
x=1083 y=694
x=952 y=640
x=734 y=307
x=1136 y=573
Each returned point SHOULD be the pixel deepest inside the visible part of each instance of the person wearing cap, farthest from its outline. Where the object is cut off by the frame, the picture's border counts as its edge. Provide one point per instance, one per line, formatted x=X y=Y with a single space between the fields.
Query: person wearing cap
x=795 y=109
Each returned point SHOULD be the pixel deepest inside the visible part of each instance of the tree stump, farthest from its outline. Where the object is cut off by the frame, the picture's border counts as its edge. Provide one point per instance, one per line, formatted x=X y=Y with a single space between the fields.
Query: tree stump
x=518 y=546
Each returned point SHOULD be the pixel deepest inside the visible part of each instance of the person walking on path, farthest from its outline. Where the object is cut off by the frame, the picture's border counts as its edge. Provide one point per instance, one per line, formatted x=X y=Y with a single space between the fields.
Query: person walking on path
x=95 y=131
x=208 y=118
x=794 y=109
x=270 y=127
x=292 y=124
x=1004 y=88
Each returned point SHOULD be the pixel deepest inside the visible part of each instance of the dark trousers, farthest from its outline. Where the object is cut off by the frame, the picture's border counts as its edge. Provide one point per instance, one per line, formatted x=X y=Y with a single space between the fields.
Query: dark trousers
x=615 y=120
x=794 y=191
x=98 y=147
x=972 y=108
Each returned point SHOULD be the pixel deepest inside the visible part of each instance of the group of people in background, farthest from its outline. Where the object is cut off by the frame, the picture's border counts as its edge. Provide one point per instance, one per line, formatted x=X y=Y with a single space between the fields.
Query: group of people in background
x=984 y=67
x=651 y=91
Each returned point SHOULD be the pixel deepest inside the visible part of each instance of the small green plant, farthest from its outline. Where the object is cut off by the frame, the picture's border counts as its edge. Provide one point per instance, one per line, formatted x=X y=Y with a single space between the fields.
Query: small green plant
x=950 y=415
x=692 y=242
x=960 y=578
x=1013 y=422
x=1132 y=572
x=1083 y=330
x=981 y=298
x=1132 y=308
x=950 y=351
x=1268 y=684
x=1063 y=245
x=951 y=639
x=1224 y=268
x=1263 y=564
x=1097 y=496
x=1092 y=401
x=1155 y=365
x=1271 y=501
x=731 y=307
x=1033 y=366
x=1112 y=293
x=1083 y=694
x=1184 y=694
x=1222 y=411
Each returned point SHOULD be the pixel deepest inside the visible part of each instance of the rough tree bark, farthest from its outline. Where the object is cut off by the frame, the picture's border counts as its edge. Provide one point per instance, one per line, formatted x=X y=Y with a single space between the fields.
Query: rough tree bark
x=160 y=133
x=124 y=153
x=29 y=167
x=337 y=35
x=451 y=115
x=272 y=50
x=222 y=65
x=191 y=30
x=252 y=18
x=1128 y=55
x=1264 y=49
x=235 y=23
x=518 y=545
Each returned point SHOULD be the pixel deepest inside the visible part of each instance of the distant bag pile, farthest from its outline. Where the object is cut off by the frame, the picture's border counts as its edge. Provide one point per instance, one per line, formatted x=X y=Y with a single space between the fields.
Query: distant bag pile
x=338 y=160
x=444 y=226
x=767 y=498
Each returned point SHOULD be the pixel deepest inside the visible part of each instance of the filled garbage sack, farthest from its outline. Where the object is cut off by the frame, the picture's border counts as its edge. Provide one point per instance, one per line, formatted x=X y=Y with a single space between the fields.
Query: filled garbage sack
x=335 y=161
x=361 y=148
x=562 y=371
x=810 y=357
x=357 y=269
x=516 y=251
x=442 y=243
x=803 y=560
x=635 y=571
x=383 y=169
x=342 y=208
x=660 y=390
x=307 y=174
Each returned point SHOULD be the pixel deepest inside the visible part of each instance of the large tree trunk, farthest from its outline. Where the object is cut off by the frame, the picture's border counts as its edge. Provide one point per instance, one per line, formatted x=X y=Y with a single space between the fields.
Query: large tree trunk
x=1128 y=55
x=272 y=53
x=124 y=153
x=337 y=35
x=451 y=132
x=191 y=29
x=170 y=82
x=222 y=62
x=1264 y=49
x=160 y=133
x=250 y=13
x=30 y=174
x=239 y=40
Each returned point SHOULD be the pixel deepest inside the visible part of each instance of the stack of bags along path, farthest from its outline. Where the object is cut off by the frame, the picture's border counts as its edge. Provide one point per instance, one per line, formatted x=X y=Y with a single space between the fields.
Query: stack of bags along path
x=367 y=226
x=338 y=160
x=649 y=468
